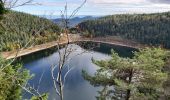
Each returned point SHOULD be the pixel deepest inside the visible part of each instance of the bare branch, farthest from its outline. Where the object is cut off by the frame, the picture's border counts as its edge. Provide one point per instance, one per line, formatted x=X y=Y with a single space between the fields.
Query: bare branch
x=77 y=9
x=54 y=81
x=64 y=55
x=40 y=80
x=9 y=4
x=24 y=88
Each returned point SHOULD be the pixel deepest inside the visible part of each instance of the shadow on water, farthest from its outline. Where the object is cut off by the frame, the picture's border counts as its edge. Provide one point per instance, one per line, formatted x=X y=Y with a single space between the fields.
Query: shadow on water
x=106 y=48
x=76 y=88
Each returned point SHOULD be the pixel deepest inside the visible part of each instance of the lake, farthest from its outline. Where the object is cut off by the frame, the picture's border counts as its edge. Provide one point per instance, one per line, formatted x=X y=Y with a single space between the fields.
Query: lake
x=76 y=88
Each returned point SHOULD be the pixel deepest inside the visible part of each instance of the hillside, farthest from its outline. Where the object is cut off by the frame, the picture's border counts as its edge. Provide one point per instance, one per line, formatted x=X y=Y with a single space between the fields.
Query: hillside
x=152 y=29
x=74 y=21
x=17 y=29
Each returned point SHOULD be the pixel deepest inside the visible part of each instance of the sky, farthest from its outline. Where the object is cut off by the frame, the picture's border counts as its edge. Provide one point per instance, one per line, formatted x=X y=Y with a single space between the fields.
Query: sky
x=96 y=7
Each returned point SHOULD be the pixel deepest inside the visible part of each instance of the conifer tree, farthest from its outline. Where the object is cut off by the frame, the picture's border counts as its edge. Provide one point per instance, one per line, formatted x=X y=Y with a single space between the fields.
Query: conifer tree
x=2 y=9
x=10 y=77
x=137 y=78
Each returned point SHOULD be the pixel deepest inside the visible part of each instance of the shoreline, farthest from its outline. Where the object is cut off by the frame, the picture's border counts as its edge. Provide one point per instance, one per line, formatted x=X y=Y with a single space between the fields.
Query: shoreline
x=14 y=54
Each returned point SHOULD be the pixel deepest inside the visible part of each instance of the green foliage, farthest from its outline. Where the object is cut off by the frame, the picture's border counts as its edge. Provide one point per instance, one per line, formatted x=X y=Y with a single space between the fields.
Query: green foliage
x=151 y=29
x=2 y=9
x=137 y=78
x=10 y=77
x=43 y=97
x=18 y=29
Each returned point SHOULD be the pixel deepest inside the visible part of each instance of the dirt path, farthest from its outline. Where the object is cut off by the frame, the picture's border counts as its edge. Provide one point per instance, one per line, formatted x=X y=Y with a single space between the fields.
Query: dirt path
x=73 y=38
x=13 y=54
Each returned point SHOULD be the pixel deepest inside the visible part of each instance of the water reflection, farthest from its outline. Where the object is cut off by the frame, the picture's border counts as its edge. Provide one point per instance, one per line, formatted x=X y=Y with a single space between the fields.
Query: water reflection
x=76 y=88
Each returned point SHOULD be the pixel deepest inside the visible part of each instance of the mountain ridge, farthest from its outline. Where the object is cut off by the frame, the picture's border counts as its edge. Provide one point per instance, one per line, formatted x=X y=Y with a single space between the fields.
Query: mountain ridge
x=74 y=21
x=152 y=29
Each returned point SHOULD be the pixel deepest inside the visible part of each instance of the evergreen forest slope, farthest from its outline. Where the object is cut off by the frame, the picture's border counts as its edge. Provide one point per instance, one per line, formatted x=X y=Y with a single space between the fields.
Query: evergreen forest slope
x=18 y=29
x=152 y=29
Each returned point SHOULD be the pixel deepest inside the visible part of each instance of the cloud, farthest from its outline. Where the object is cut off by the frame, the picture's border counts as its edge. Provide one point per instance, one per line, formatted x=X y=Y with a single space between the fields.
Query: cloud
x=50 y=3
x=160 y=1
x=101 y=7
x=128 y=1
x=118 y=1
x=60 y=3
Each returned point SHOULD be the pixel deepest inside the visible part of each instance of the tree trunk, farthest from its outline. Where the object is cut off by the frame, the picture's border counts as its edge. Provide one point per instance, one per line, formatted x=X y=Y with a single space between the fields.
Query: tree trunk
x=61 y=92
x=60 y=83
x=128 y=92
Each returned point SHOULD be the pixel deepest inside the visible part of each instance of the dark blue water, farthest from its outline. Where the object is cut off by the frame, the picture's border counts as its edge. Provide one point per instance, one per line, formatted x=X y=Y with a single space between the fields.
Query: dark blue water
x=76 y=88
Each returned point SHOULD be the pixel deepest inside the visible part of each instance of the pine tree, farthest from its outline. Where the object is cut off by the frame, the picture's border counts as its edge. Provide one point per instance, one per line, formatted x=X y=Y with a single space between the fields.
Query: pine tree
x=151 y=29
x=137 y=78
x=2 y=9
x=10 y=77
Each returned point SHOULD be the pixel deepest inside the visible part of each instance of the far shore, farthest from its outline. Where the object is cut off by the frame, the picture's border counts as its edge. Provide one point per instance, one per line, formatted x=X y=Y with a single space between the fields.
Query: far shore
x=107 y=40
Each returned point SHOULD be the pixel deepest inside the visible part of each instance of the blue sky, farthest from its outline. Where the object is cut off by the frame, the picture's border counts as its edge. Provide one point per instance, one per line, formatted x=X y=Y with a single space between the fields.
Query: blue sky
x=97 y=7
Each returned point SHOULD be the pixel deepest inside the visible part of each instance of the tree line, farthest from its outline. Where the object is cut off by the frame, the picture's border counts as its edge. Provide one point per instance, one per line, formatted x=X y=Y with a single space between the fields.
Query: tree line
x=140 y=77
x=18 y=28
x=152 y=29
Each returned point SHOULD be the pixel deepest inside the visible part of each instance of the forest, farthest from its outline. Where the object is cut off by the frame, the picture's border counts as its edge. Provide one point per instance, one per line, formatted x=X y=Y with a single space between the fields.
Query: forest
x=151 y=29
x=66 y=71
x=18 y=29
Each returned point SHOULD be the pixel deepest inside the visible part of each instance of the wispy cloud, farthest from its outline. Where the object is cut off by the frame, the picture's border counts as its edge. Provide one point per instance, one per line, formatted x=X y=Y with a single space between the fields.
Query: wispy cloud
x=160 y=1
x=117 y=1
x=100 y=7
x=129 y=1
x=46 y=3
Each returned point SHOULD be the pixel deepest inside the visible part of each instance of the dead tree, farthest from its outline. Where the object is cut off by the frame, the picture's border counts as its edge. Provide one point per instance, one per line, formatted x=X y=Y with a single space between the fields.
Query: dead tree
x=58 y=81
